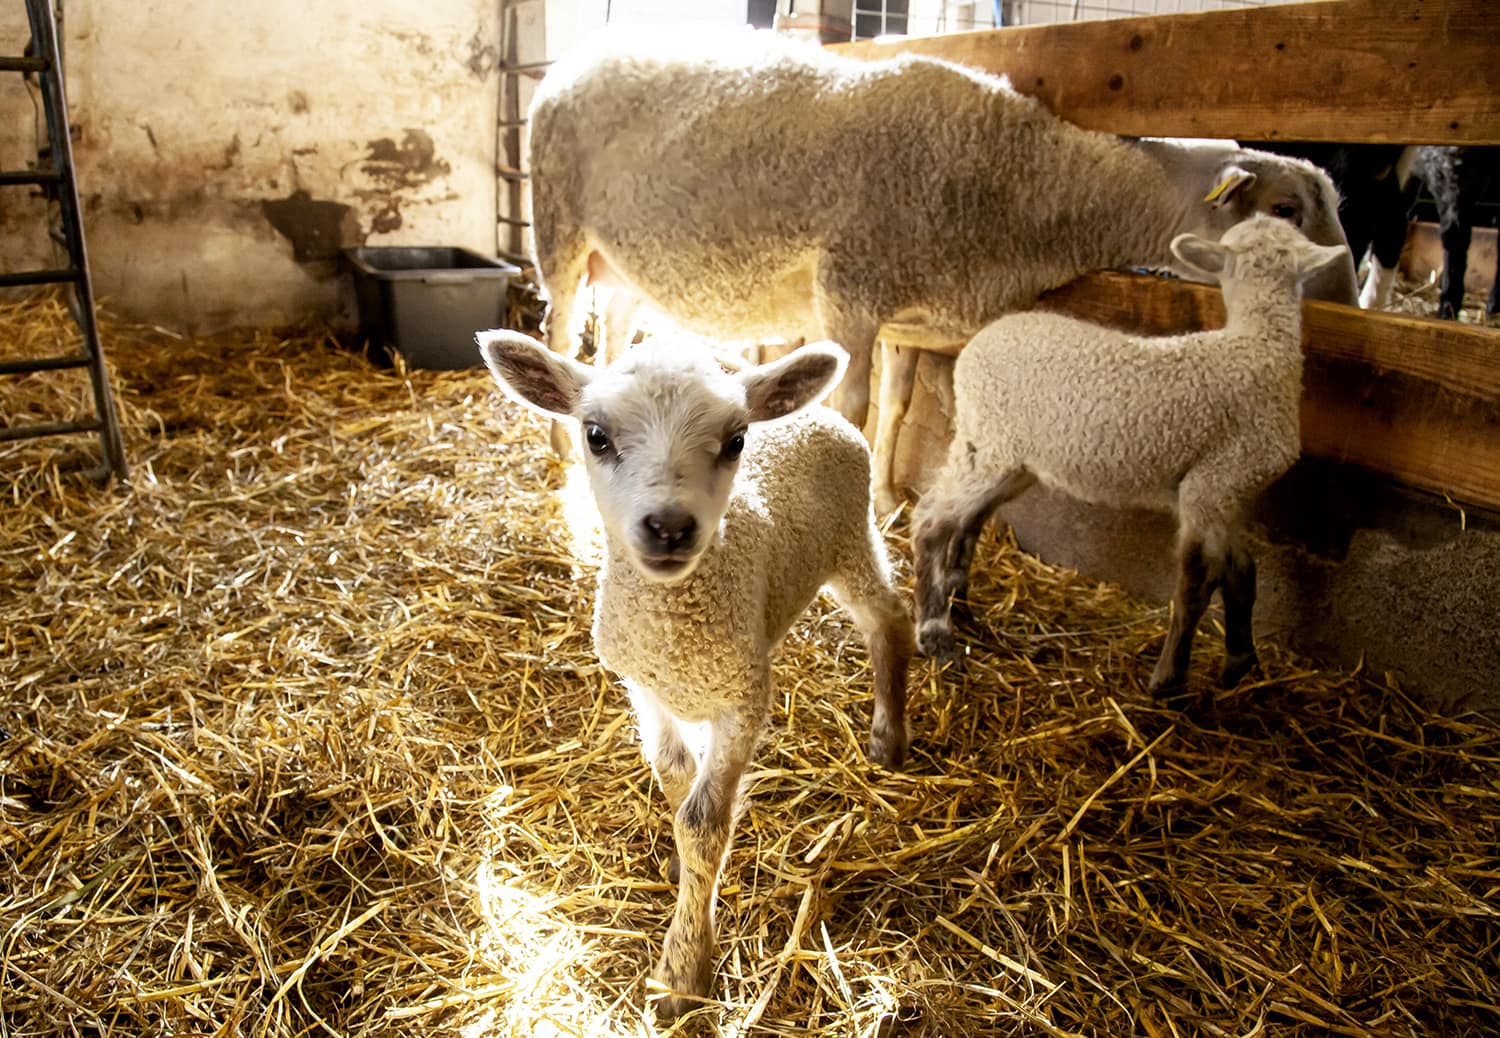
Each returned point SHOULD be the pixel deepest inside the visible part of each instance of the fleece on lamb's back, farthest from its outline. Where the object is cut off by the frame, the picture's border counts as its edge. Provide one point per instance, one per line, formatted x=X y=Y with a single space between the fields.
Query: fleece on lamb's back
x=761 y=187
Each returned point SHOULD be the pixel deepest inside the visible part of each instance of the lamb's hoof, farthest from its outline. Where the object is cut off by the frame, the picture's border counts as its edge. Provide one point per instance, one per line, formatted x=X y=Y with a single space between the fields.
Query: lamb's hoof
x=1175 y=695
x=1169 y=688
x=685 y=991
x=1236 y=667
x=935 y=641
x=674 y=869
x=888 y=749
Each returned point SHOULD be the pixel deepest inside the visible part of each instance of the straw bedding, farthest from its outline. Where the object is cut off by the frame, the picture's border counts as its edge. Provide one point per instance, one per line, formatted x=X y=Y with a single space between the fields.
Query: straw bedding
x=303 y=735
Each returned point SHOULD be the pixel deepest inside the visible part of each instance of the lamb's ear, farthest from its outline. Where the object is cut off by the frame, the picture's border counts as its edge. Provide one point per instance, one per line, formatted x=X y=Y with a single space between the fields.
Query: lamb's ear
x=1207 y=257
x=800 y=378
x=1233 y=180
x=1313 y=258
x=531 y=374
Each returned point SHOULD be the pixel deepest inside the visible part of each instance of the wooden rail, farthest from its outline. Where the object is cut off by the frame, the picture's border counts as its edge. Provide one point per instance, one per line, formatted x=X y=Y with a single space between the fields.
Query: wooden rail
x=1413 y=399
x=1396 y=71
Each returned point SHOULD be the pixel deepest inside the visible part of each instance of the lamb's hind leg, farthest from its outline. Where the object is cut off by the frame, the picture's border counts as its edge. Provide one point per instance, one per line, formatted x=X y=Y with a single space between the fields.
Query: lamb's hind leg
x=1200 y=567
x=948 y=524
x=863 y=587
x=703 y=827
x=1238 y=590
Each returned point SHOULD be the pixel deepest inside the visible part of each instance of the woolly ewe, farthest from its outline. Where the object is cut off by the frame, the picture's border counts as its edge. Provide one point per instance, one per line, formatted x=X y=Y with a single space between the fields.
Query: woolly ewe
x=750 y=186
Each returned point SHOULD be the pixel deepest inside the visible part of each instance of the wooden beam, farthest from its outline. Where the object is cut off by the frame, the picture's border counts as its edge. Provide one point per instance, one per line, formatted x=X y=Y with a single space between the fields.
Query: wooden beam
x=1377 y=71
x=1413 y=399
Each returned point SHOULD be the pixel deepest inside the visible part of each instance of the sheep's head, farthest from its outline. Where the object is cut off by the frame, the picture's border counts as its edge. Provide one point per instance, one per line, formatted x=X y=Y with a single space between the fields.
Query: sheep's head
x=1262 y=249
x=1250 y=182
x=663 y=429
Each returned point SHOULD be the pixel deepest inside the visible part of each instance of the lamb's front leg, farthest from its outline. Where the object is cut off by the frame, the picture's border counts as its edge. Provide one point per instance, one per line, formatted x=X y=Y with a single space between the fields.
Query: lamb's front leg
x=703 y=828
x=671 y=760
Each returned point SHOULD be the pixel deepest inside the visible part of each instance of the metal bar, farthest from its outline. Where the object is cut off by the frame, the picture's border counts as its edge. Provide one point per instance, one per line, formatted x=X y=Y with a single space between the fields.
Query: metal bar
x=524 y=69
x=30 y=364
x=29 y=176
x=512 y=124
x=42 y=16
x=511 y=221
x=26 y=432
x=39 y=277
x=23 y=64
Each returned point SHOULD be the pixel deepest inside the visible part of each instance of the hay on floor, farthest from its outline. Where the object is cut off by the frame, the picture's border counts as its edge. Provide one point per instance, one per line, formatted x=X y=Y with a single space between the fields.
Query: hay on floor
x=303 y=734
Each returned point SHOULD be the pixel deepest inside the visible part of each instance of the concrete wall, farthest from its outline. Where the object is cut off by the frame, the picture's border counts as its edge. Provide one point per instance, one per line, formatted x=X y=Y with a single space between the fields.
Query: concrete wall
x=226 y=151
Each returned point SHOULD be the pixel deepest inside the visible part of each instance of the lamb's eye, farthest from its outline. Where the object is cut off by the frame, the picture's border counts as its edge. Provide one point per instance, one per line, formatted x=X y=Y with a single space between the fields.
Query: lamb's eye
x=732 y=447
x=597 y=438
x=1284 y=211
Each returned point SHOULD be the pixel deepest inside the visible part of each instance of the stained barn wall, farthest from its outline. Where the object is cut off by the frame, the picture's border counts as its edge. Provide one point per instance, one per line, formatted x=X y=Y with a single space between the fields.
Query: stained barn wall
x=227 y=151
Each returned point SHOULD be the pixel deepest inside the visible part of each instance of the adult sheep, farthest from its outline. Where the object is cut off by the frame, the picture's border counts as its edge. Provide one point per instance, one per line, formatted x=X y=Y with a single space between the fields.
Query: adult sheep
x=757 y=186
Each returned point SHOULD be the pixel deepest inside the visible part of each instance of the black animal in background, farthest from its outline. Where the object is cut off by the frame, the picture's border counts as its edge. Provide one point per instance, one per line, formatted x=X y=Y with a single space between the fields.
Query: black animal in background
x=1460 y=178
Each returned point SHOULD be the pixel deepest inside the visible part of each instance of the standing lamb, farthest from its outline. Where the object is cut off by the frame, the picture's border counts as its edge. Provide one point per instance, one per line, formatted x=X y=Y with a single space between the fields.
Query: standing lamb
x=720 y=527
x=755 y=187
x=1201 y=423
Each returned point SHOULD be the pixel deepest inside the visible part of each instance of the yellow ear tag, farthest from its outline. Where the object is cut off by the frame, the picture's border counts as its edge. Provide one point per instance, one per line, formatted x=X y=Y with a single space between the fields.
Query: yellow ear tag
x=1224 y=187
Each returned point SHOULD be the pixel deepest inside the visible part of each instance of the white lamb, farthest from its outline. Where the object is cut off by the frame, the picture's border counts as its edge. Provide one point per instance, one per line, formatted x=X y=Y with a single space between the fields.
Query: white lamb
x=722 y=519
x=1200 y=423
x=750 y=187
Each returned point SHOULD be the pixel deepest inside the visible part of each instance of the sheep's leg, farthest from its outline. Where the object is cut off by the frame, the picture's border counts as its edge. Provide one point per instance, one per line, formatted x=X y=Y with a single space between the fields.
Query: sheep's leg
x=948 y=526
x=1198 y=572
x=619 y=318
x=898 y=377
x=961 y=549
x=671 y=760
x=1238 y=589
x=703 y=827
x=842 y=321
x=852 y=398
x=863 y=588
x=562 y=263
x=1385 y=253
x=1456 y=230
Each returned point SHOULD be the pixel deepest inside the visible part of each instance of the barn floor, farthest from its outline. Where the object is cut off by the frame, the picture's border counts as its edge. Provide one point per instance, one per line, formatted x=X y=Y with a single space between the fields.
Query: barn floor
x=302 y=735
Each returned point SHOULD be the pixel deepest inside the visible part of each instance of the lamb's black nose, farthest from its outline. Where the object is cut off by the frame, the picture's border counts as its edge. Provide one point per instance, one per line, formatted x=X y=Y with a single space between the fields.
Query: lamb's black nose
x=670 y=531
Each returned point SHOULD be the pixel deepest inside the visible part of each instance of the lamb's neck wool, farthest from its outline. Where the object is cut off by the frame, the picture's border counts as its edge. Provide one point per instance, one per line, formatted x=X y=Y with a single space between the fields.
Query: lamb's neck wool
x=800 y=501
x=1268 y=310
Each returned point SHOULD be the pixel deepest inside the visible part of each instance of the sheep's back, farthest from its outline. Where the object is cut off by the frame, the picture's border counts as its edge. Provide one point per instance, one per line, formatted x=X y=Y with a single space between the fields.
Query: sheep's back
x=1112 y=417
x=712 y=186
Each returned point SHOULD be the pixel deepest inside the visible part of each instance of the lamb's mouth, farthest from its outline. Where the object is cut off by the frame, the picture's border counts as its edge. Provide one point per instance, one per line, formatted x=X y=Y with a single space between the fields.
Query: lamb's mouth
x=666 y=567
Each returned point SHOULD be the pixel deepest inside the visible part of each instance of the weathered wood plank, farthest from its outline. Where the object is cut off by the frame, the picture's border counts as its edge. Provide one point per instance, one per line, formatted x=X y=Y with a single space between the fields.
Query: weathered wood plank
x=1413 y=399
x=1391 y=71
